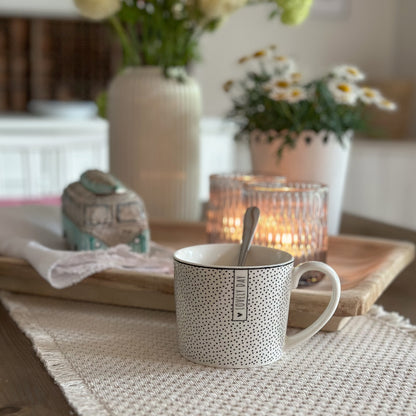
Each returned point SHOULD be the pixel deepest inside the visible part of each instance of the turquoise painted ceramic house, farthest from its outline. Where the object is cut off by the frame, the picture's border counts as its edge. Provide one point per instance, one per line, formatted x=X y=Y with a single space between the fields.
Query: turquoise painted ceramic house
x=99 y=212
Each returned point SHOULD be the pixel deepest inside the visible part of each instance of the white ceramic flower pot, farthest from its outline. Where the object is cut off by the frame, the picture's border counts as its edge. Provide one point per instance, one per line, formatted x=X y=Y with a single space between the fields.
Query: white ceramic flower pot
x=154 y=140
x=312 y=159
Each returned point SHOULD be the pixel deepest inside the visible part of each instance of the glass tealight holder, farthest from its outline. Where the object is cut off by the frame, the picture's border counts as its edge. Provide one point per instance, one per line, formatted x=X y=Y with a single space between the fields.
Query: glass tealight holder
x=226 y=206
x=293 y=218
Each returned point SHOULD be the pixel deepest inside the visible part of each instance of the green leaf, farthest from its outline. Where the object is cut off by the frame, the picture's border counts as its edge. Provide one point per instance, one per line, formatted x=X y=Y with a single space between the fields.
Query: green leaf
x=130 y=13
x=101 y=102
x=274 y=13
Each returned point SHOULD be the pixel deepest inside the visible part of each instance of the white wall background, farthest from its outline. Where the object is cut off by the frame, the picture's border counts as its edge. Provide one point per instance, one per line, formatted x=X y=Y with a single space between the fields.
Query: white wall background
x=405 y=50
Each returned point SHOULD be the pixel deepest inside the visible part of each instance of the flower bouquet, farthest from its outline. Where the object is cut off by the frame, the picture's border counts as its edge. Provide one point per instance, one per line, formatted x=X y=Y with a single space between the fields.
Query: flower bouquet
x=273 y=100
x=166 y=33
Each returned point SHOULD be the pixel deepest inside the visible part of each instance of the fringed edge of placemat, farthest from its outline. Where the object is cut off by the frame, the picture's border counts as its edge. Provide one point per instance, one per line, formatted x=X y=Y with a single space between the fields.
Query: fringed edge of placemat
x=392 y=318
x=76 y=389
x=73 y=387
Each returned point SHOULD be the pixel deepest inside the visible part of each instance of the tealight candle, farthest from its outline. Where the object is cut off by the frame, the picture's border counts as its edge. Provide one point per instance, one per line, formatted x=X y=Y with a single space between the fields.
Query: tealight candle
x=293 y=218
x=226 y=205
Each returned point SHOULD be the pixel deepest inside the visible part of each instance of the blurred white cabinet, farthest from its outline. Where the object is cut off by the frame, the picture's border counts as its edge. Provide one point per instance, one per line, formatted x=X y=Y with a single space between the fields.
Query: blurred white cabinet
x=381 y=182
x=40 y=156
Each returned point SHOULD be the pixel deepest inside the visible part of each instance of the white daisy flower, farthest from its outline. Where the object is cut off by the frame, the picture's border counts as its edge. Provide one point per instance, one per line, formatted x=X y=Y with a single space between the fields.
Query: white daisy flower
x=344 y=92
x=278 y=95
x=348 y=72
x=369 y=95
x=249 y=84
x=296 y=94
x=176 y=72
x=385 y=104
x=227 y=86
x=281 y=59
x=295 y=77
x=262 y=53
x=177 y=10
x=283 y=64
x=279 y=83
x=244 y=59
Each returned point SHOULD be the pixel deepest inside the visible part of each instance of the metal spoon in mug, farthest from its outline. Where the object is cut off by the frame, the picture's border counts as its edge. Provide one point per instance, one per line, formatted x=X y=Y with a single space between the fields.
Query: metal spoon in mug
x=251 y=218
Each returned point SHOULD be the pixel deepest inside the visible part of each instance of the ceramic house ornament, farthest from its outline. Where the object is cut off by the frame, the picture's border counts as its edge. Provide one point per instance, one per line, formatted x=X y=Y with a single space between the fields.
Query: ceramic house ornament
x=98 y=211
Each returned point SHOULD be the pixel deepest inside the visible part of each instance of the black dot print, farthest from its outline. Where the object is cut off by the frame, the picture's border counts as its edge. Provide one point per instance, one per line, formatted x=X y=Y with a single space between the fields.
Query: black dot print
x=204 y=311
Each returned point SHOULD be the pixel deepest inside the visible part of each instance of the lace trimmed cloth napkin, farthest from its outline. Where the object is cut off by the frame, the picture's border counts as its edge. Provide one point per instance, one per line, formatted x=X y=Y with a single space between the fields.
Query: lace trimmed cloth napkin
x=119 y=361
x=34 y=233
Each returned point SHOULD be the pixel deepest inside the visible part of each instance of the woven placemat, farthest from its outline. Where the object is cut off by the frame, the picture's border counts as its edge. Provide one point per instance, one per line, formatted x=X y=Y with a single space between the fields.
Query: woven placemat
x=124 y=361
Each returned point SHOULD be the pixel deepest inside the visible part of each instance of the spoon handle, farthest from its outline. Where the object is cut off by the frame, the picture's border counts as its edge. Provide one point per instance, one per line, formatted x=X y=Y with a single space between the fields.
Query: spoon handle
x=251 y=218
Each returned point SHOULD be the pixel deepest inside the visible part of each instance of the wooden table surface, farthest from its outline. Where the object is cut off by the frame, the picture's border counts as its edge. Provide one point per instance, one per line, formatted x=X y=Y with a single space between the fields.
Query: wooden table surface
x=27 y=389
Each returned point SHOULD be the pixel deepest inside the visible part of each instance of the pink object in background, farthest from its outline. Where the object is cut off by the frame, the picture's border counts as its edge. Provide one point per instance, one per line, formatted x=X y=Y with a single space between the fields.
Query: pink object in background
x=50 y=200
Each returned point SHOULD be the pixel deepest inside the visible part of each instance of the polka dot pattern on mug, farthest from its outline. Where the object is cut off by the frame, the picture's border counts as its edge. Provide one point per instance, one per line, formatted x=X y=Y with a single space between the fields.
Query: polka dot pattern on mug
x=205 y=307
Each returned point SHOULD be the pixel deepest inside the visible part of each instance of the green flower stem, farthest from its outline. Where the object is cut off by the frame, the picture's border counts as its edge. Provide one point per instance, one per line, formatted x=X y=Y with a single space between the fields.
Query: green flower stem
x=286 y=110
x=131 y=54
x=134 y=42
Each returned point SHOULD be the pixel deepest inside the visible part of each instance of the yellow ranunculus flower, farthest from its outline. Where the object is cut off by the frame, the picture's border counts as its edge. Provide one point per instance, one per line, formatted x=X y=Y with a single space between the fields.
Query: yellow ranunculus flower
x=98 y=9
x=217 y=9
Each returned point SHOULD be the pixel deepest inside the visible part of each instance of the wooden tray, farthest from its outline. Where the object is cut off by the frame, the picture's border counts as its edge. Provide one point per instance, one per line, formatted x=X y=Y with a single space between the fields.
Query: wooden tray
x=366 y=267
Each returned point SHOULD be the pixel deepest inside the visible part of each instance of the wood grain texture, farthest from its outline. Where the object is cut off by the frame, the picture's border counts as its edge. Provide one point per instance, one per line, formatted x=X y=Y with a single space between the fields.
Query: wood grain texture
x=401 y=293
x=25 y=386
x=365 y=265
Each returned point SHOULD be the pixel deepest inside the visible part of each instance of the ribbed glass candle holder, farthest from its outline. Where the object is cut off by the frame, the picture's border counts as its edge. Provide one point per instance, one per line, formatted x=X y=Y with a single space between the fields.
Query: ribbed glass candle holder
x=293 y=218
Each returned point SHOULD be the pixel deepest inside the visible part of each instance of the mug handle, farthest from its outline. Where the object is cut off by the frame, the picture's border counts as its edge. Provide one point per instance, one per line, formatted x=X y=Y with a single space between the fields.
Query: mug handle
x=312 y=329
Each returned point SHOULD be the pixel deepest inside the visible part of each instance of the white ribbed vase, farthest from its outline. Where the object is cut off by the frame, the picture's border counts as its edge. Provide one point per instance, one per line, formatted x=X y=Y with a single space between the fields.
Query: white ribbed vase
x=312 y=159
x=154 y=140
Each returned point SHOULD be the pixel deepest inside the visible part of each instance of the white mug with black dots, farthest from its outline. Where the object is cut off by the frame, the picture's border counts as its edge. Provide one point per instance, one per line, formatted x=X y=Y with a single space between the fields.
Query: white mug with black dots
x=236 y=317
